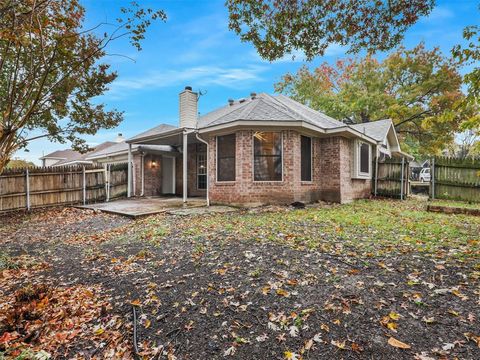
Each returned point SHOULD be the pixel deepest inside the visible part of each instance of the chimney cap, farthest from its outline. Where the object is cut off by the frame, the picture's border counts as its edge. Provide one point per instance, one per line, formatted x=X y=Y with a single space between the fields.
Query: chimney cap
x=231 y=101
x=188 y=88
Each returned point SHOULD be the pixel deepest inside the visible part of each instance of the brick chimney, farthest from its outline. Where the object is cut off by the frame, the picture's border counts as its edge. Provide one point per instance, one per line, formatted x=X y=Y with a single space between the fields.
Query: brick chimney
x=188 y=105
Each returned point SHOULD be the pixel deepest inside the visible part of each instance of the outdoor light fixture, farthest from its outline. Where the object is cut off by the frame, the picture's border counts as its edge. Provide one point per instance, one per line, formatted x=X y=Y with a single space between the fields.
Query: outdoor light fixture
x=154 y=164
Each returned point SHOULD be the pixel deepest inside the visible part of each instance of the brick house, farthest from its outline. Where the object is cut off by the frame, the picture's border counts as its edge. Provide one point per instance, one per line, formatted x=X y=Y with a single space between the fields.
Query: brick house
x=260 y=150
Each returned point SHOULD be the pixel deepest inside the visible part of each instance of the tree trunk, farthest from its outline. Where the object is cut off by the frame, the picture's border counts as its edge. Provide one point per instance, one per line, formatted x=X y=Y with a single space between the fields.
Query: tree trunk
x=7 y=148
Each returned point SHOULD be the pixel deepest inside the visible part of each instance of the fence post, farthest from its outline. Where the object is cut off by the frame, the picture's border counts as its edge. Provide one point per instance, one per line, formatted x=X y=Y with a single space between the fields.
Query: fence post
x=84 y=186
x=402 y=180
x=27 y=187
x=432 y=178
x=108 y=181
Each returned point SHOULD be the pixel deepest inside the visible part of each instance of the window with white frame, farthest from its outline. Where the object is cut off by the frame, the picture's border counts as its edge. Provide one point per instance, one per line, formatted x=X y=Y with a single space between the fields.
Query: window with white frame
x=363 y=159
x=201 y=171
x=267 y=156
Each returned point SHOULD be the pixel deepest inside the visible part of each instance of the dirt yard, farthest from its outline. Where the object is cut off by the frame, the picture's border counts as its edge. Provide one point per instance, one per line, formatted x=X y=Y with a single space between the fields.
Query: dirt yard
x=368 y=280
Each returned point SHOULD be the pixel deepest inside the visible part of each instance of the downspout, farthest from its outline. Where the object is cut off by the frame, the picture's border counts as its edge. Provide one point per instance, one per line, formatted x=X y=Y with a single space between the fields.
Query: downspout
x=129 y=183
x=377 y=152
x=208 y=165
x=143 y=174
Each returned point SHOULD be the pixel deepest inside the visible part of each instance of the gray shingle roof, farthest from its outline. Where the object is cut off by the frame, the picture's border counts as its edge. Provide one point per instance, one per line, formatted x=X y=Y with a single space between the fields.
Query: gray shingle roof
x=78 y=157
x=377 y=130
x=60 y=154
x=265 y=107
x=122 y=147
x=157 y=130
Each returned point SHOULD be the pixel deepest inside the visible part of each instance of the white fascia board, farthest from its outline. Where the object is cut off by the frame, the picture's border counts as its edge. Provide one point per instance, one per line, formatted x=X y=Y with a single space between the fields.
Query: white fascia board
x=156 y=137
x=255 y=124
x=354 y=132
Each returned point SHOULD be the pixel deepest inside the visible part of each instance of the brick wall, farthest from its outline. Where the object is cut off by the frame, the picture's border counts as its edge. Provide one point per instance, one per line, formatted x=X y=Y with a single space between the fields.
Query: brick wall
x=152 y=175
x=331 y=173
x=191 y=171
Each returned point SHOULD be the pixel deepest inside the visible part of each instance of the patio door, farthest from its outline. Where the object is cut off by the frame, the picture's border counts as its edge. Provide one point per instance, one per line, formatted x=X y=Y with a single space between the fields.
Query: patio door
x=168 y=175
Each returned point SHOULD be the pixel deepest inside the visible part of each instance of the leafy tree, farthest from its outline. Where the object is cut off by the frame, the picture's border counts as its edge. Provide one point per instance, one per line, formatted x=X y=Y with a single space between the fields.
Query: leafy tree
x=19 y=163
x=279 y=27
x=419 y=89
x=51 y=70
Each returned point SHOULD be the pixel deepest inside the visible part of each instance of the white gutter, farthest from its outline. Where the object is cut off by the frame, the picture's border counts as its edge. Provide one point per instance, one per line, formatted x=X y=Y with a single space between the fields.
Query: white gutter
x=143 y=175
x=208 y=165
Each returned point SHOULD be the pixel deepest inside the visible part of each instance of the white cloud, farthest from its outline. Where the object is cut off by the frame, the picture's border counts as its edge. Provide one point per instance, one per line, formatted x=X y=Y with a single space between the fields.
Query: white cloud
x=439 y=13
x=299 y=56
x=229 y=77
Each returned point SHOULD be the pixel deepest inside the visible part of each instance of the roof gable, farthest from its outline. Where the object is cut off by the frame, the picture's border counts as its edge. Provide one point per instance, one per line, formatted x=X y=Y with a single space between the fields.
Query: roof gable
x=264 y=107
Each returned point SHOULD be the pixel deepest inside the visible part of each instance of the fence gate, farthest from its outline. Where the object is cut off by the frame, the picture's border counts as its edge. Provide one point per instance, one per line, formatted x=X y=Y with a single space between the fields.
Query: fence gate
x=455 y=179
x=390 y=178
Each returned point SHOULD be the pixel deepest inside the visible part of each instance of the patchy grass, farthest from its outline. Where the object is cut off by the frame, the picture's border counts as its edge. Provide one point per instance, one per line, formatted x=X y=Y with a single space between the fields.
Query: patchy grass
x=371 y=279
x=368 y=228
x=457 y=204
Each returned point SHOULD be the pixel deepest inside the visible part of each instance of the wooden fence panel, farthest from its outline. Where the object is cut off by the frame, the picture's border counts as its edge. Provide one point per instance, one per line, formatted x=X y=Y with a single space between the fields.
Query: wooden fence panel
x=58 y=185
x=389 y=178
x=456 y=179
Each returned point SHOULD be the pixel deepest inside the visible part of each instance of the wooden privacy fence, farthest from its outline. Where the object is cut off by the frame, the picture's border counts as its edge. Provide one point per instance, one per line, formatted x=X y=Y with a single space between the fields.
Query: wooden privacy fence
x=38 y=187
x=455 y=179
x=390 y=178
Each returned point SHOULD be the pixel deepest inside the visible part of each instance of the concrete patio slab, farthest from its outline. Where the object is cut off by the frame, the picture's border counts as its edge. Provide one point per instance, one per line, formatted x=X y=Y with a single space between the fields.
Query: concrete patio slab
x=138 y=207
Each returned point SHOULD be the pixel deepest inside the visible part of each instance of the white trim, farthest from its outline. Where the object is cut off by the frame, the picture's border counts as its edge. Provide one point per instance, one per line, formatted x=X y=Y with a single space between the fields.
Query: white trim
x=206 y=169
x=173 y=173
x=357 y=173
x=253 y=159
x=286 y=124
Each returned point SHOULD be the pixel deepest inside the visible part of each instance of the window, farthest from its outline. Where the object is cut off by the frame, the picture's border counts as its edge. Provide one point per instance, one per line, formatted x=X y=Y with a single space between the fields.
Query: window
x=364 y=158
x=306 y=158
x=201 y=171
x=267 y=156
x=226 y=158
x=363 y=154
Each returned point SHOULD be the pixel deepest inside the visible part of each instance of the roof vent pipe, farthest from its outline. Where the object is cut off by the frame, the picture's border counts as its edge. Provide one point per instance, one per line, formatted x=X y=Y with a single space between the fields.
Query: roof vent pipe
x=231 y=102
x=242 y=100
x=253 y=95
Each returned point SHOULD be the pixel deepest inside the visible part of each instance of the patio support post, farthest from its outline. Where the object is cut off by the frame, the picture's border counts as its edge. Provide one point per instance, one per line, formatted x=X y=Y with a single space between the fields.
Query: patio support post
x=143 y=175
x=185 y=159
x=129 y=183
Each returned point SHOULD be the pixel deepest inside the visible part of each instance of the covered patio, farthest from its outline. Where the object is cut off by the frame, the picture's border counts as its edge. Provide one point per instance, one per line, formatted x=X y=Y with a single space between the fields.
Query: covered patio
x=183 y=172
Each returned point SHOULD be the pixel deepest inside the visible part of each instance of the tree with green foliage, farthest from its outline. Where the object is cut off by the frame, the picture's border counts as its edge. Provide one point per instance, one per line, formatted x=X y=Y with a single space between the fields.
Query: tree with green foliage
x=52 y=68
x=282 y=27
x=19 y=163
x=419 y=89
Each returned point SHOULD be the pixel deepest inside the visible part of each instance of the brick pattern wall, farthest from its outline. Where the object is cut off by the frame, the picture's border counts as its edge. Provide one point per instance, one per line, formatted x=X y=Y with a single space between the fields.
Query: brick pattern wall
x=331 y=173
x=192 y=189
x=152 y=175
x=351 y=189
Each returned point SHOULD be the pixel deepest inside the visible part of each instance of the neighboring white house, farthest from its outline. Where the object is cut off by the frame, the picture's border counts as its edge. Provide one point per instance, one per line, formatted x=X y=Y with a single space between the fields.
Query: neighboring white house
x=70 y=157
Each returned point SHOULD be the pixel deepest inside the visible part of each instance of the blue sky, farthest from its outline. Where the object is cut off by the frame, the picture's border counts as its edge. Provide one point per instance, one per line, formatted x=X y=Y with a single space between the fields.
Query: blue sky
x=194 y=47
